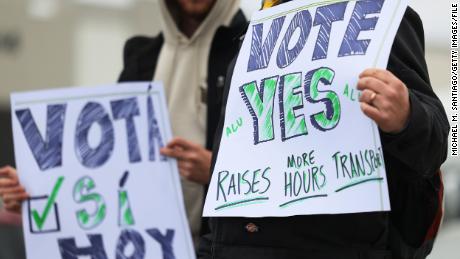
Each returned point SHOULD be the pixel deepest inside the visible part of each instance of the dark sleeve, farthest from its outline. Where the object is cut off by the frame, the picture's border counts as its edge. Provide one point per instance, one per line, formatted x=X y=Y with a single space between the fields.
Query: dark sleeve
x=422 y=147
x=128 y=52
x=140 y=56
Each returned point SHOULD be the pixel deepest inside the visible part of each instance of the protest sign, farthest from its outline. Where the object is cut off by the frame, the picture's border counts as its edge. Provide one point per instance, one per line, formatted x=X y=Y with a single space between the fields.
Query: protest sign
x=295 y=141
x=89 y=158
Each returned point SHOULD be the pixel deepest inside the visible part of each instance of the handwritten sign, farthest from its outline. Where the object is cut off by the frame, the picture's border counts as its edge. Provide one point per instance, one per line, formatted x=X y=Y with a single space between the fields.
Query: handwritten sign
x=89 y=158
x=295 y=141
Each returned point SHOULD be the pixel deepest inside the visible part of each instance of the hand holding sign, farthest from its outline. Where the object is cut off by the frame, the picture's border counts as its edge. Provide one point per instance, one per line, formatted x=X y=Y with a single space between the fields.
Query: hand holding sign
x=11 y=192
x=385 y=99
x=194 y=160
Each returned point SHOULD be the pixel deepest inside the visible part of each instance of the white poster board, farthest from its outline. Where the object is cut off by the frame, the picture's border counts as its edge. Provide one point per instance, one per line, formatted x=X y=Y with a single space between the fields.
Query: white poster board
x=89 y=158
x=295 y=141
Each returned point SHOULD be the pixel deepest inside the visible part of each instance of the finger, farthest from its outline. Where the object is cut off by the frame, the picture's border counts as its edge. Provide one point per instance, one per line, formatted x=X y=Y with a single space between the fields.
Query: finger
x=15 y=197
x=181 y=142
x=381 y=74
x=192 y=157
x=7 y=171
x=7 y=183
x=165 y=151
x=173 y=152
x=186 y=166
x=367 y=96
x=6 y=168
x=15 y=189
x=373 y=99
x=370 y=83
x=371 y=112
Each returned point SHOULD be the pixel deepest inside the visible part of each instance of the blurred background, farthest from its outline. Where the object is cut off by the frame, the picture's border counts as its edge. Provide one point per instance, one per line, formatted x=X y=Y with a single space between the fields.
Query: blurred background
x=57 y=43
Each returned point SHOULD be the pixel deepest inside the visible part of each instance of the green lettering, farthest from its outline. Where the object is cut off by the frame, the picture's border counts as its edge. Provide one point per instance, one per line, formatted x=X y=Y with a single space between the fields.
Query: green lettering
x=292 y=125
x=329 y=118
x=260 y=104
x=81 y=194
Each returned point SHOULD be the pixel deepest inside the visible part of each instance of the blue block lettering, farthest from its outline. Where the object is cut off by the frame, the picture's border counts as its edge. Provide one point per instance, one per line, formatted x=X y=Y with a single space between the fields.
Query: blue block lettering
x=165 y=241
x=94 y=157
x=47 y=153
x=69 y=249
x=260 y=54
x=302 y=21
x=155 y=139
x=359 y=22
x=325 y=16
x=137 y=243
x=126 y=109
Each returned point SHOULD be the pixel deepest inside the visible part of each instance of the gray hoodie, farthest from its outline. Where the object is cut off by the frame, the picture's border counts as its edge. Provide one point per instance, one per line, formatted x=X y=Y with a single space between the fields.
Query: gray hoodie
x=182 y=67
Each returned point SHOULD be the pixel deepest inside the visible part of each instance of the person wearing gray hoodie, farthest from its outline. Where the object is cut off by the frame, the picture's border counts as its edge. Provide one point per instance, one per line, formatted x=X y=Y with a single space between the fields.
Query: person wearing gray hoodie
x=198 y=39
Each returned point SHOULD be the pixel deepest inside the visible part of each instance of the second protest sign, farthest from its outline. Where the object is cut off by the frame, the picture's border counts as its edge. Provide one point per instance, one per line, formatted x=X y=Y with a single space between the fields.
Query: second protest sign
x=89 y=158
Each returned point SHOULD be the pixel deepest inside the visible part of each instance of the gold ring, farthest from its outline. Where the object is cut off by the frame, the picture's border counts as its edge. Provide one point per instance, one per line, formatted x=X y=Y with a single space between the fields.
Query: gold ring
x=373 y=97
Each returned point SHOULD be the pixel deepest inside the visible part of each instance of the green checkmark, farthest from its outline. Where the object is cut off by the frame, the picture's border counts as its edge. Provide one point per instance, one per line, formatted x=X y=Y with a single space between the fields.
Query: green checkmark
x=40 y=220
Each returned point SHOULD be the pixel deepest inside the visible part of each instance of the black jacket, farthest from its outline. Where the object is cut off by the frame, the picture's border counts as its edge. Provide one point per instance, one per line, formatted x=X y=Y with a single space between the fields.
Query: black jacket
x=411 y=159
x=140 y=59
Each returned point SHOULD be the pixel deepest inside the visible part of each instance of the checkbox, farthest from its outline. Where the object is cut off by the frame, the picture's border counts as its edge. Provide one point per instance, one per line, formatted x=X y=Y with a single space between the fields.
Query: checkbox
x=51 y=224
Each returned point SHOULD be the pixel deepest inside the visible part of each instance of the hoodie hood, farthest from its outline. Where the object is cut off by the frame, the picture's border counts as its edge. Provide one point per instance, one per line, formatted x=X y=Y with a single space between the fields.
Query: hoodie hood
x=221 y=14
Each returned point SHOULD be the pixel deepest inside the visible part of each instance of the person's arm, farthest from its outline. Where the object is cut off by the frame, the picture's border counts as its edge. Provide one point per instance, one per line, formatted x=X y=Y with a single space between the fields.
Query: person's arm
x=419 y=145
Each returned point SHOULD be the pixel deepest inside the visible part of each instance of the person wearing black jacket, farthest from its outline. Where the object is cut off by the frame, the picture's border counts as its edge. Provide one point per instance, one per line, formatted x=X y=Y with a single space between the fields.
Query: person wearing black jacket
x=413 y=129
